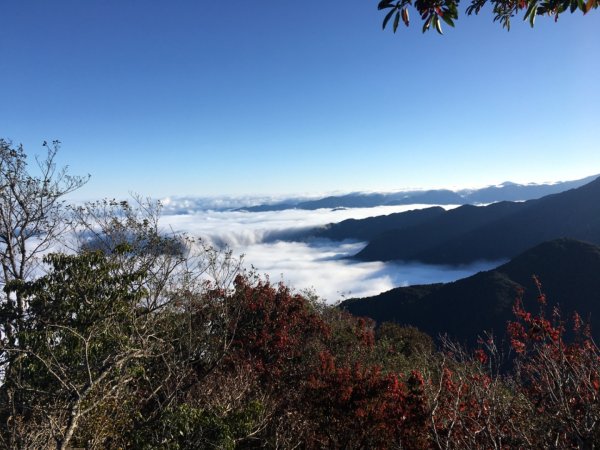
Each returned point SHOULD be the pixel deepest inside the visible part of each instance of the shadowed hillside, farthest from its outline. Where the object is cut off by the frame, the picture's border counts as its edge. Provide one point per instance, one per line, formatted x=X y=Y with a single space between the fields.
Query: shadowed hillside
x=498 y=231
x=369 y=228
x=567 y=268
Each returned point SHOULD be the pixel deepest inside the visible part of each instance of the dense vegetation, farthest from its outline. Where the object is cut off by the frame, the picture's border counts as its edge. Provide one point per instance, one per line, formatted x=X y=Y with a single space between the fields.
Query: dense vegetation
x=124 y=337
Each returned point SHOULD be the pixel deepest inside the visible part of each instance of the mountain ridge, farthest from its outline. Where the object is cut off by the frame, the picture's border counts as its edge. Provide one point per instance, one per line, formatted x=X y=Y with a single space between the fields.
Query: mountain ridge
x=567 y=268
x=493 y=232
x=505 y=191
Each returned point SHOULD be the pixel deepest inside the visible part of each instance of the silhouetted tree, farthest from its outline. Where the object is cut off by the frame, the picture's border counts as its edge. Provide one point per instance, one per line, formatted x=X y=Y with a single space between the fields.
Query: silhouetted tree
x=434 y=12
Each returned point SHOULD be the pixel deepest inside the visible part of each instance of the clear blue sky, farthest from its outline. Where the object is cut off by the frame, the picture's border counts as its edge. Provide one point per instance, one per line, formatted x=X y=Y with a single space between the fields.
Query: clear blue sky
x=266 y=97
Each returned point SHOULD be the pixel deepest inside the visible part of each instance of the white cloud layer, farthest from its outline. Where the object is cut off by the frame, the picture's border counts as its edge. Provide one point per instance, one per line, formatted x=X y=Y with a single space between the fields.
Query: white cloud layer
x=319 y=264
x=238 y=229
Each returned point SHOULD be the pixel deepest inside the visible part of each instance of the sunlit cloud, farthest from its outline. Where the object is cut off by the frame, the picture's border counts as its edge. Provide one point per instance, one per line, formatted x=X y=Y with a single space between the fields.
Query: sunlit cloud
x=320 y=265
x=240 y=228
x=322 y=268
x=192 y=204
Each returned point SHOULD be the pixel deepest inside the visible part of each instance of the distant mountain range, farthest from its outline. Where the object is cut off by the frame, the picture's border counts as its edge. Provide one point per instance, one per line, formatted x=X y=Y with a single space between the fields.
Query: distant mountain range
x=555 y=237
x=498 y=231
x=507 y=191
x=568 y=269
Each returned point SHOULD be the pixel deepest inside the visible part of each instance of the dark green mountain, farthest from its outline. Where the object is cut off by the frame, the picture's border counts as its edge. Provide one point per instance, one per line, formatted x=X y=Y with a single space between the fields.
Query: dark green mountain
x=498 y=231
x=568 y=269
x=371 y=227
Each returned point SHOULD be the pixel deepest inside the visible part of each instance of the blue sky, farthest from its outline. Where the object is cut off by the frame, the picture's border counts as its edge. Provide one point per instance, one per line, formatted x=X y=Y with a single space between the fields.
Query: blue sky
x=270 y=97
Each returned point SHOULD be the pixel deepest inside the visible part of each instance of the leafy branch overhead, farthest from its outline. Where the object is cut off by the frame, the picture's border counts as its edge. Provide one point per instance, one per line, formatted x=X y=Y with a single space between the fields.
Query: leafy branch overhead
x=434 y=12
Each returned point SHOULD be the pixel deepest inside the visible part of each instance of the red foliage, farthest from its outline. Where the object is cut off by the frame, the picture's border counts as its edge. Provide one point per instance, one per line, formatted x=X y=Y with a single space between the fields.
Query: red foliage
x=560 y=379
x=366 y=407
x=271 y=327
x=317 y=372
x=290 y=345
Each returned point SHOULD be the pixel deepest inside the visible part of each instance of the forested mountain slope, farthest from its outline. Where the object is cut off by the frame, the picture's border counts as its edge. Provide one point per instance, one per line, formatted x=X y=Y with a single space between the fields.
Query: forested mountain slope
x=498 y=231
x=568 y=269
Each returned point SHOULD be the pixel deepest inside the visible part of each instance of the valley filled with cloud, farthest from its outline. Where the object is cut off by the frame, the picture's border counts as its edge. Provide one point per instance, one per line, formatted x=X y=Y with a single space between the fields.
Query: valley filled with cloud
x=274 y=243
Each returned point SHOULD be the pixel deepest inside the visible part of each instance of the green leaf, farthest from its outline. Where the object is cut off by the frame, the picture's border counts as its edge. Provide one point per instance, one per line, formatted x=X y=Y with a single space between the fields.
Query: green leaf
x=387 y=18
x=438 y=25
x=384 y=4
x=530 y=8
x=532 y=20
x=427 y=24
x=573 y=6
x=447 y=18
x=531 y=12
x=396 y=21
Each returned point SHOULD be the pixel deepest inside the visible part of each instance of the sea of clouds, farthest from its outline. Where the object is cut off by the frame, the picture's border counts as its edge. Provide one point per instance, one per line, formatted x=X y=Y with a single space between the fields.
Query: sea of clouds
x=266 y=239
